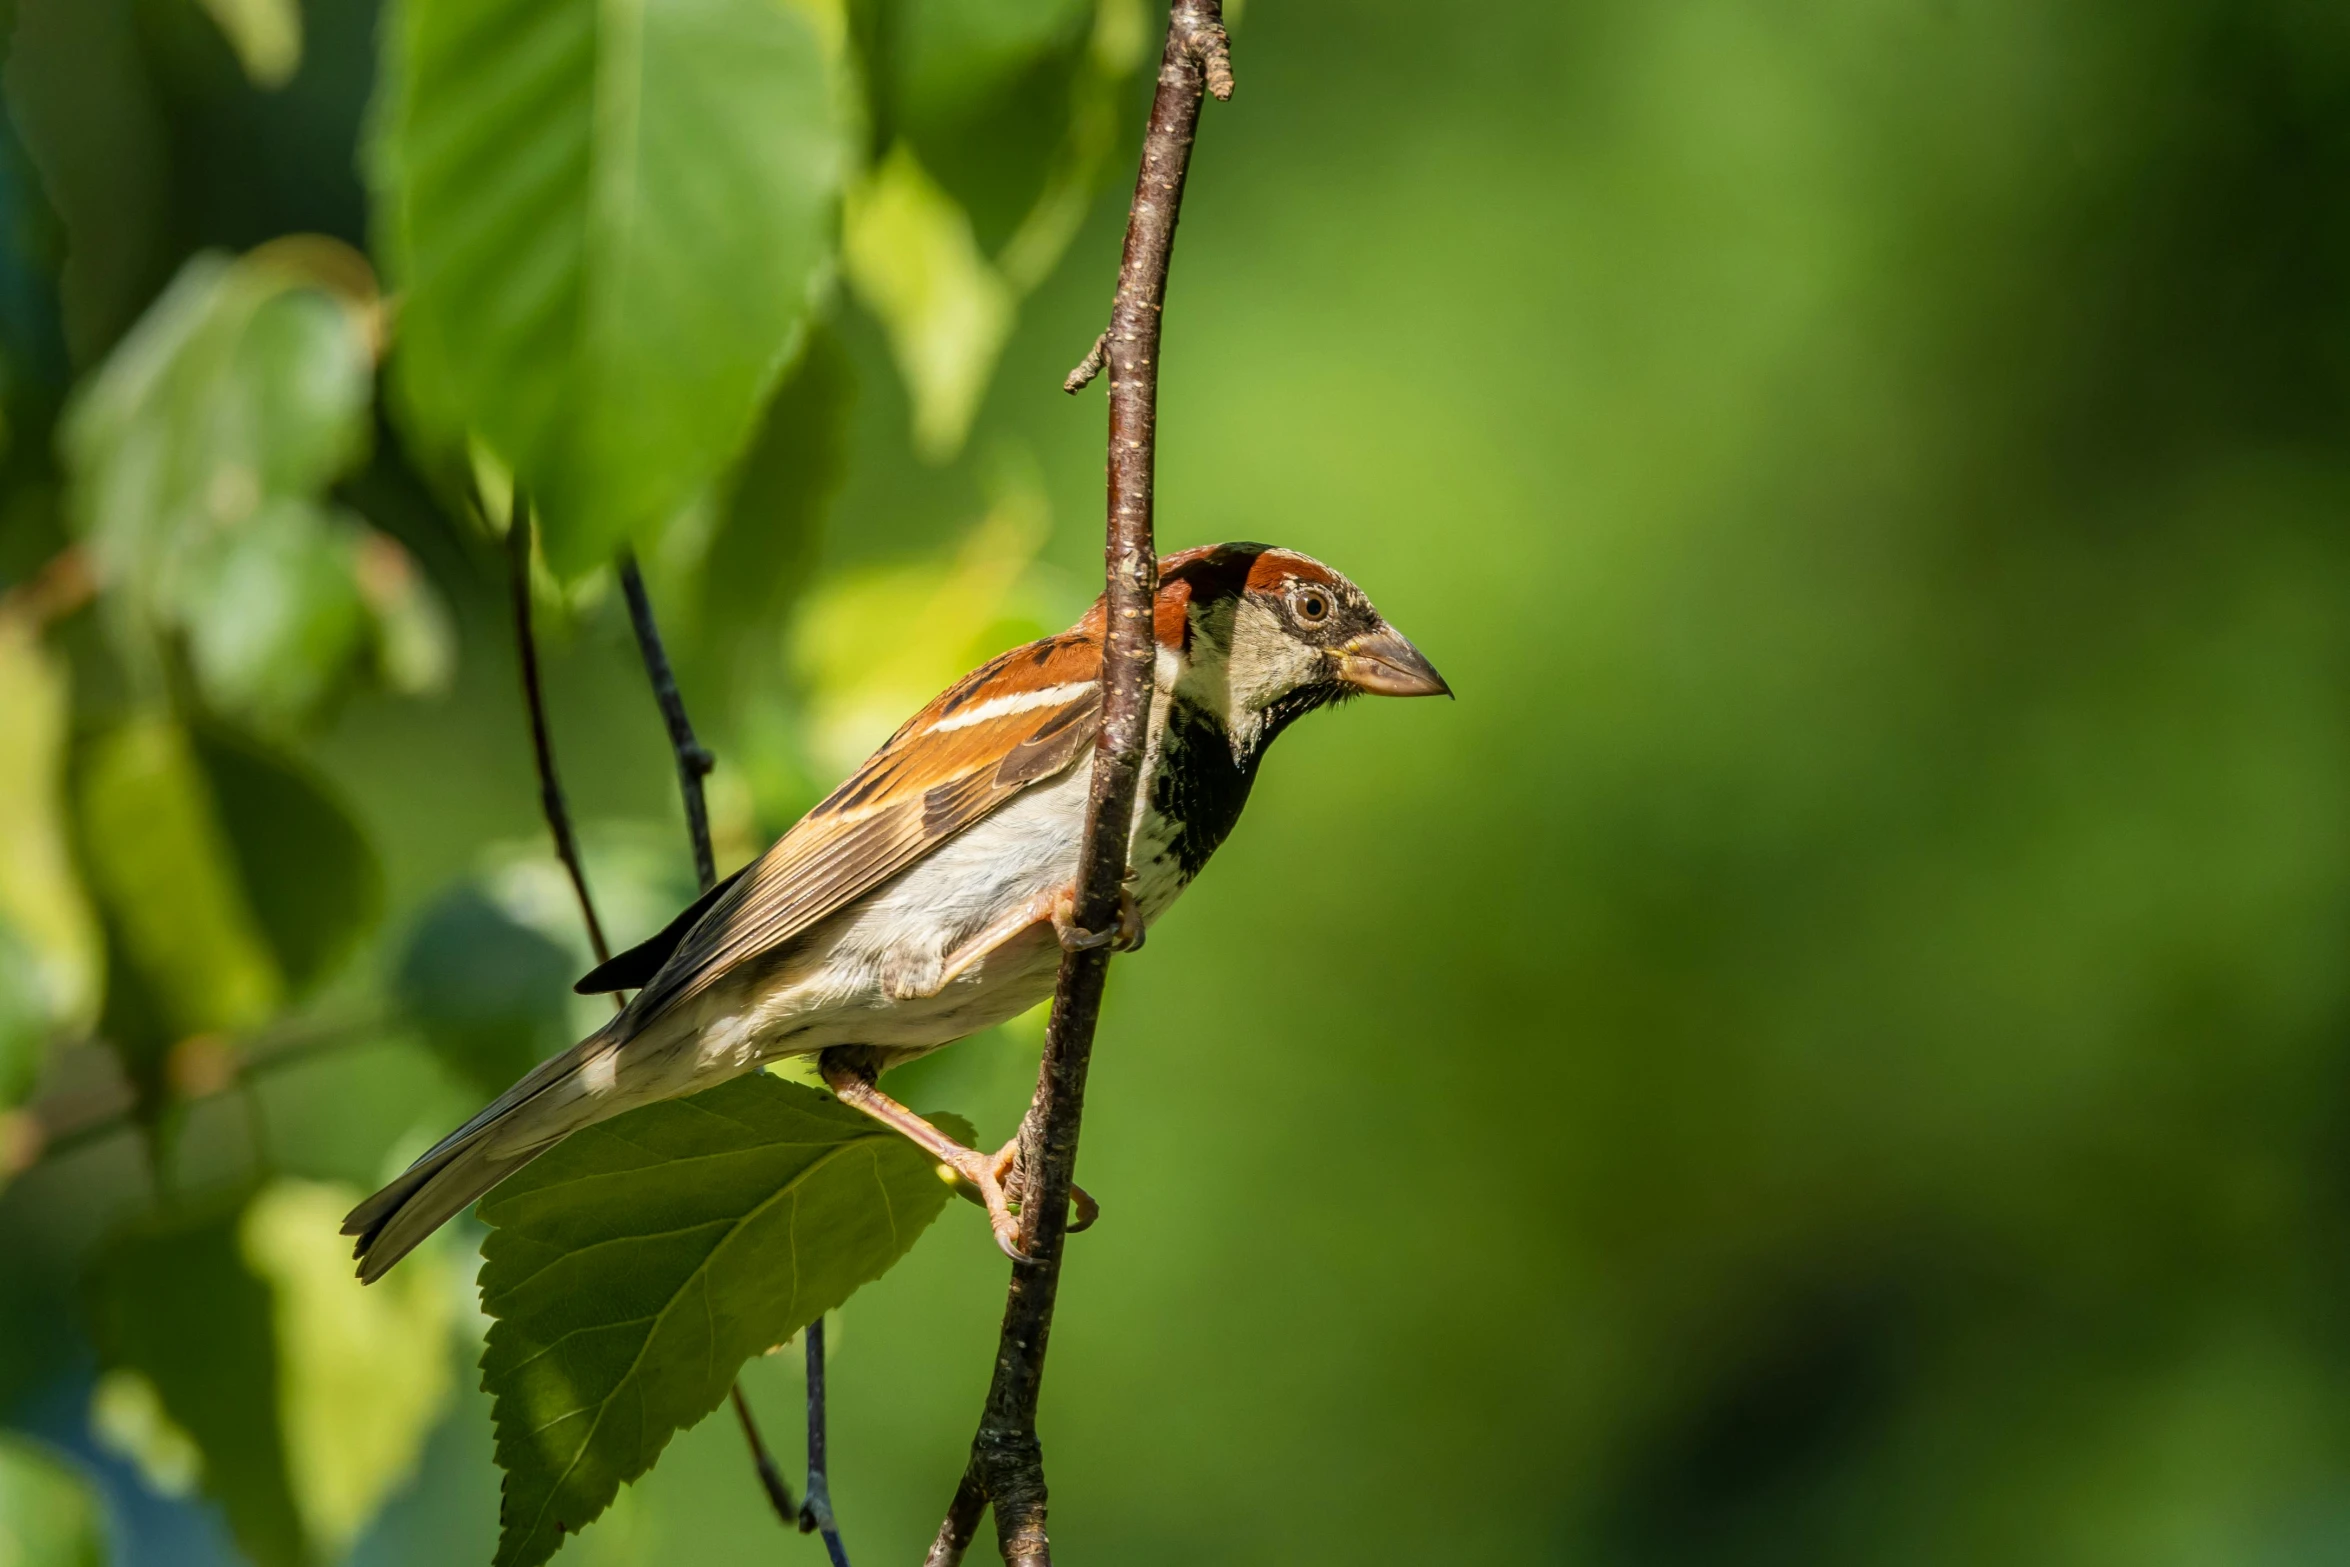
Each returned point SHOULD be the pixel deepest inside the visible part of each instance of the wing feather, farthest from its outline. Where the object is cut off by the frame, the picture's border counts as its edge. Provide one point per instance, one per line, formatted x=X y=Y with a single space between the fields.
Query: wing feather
x=1008 y=726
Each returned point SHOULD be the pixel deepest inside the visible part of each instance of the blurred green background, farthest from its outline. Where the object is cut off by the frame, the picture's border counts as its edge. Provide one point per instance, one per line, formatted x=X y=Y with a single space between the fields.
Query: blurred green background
x=1836 y=1048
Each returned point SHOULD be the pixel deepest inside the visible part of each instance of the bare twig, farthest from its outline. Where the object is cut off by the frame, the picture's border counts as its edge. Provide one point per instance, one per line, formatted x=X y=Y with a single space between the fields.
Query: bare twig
x=518 y=540
x=693 y=762
x=770 y=1477
x=693 y=765
x=64 y=1120
x=816 y=1511
x=1007 y=1464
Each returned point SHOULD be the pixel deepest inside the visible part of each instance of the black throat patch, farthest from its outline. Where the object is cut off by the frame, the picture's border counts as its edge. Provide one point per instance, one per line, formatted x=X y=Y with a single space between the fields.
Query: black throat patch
x=1200 y=789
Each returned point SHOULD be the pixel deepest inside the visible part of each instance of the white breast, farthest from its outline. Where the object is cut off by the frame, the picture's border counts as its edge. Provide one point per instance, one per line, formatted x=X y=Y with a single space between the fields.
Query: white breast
x=849 y=980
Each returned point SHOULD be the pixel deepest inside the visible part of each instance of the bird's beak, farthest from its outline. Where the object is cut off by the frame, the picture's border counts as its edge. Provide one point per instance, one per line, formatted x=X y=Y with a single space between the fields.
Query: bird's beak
x=1384 y=664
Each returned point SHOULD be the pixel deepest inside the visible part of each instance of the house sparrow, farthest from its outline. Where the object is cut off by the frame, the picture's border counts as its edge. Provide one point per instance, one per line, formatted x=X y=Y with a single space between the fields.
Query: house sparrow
x=929 y=896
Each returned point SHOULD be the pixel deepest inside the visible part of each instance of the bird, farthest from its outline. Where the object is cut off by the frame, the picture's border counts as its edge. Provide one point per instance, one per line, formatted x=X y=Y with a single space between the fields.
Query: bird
x=931 y=895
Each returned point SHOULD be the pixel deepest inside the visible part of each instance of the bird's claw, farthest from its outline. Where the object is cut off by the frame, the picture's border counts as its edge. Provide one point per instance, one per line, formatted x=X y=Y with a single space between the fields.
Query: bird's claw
x=1127 y=936
x=990 y=1179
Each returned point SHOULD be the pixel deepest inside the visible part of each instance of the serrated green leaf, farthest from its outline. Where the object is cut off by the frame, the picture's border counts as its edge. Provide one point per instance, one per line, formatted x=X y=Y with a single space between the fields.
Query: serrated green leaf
x=167 y=877
x=633 y=1269
x=607 y=222
x=362 y=1372
x=304 y=865
x=49 y=1515
x=172 y=1300
x=489 y=992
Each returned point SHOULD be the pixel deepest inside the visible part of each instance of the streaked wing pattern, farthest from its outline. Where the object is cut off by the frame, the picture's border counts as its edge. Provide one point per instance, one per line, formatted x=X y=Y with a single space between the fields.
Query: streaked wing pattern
x=1015 y=722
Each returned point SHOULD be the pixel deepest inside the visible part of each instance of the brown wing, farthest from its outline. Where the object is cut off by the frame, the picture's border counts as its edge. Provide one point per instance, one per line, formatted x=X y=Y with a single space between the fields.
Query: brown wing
x=1021 y=719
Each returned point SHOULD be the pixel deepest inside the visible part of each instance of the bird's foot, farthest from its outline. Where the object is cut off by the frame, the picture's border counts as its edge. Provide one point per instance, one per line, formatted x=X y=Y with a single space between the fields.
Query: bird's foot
x=996 y=1183
x=1127 y=936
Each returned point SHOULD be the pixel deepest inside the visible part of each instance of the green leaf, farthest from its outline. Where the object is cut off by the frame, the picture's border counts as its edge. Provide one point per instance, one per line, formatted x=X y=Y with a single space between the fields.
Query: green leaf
x=196 y=457
x=763 y=553
x=362 y=1372
x=1014 y=108
x=909 y=251
x=307 y=872
x=489 y=992
x=415 y=639
x=51 y=933
x=955 y=57
x=633 y=1269
x=988 y=92
x=24 y=1024
x=266 y=34
x=173 y=1300
x=607 y=223
x=272 y=611
x=168 y=880
x=869 y=643
x=127 y=1419
x=49 y=1516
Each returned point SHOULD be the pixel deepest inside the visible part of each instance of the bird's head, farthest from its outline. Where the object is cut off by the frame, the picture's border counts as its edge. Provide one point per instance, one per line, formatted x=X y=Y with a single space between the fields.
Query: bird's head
x=1262 y=636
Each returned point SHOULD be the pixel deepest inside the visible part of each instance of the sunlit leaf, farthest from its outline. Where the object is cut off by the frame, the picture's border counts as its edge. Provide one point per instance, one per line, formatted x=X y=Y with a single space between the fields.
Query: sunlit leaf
x=49 y=1515
x=197 y=455
x=764 y=549
x=24 y=1024
x=272 y=610
x=362 y=1372
x=415 y=641
x=305 y=867
x=167 y=876
x=49 y=923
x=487 y=990
x=266 y=34
x=635 y=1268
x=172 y=1300
x=910 y=254
x=997 y=97
x=874 y=645
x=127 y=1419
x=607 y=223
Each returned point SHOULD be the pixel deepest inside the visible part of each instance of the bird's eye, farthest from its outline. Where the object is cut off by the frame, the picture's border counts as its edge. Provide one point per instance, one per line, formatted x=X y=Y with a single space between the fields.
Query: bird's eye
x=1313 y=607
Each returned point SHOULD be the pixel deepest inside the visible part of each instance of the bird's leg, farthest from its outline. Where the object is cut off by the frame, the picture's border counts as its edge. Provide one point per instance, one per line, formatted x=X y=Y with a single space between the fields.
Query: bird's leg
x=990 y=1175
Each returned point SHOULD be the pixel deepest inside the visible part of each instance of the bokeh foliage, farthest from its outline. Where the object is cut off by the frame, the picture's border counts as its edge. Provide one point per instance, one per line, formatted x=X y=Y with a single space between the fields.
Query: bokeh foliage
x=1832 y=1051
x=261 y=440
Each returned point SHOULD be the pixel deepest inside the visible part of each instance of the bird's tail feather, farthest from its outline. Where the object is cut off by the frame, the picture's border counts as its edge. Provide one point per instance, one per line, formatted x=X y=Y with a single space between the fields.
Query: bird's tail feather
x=464 y=1164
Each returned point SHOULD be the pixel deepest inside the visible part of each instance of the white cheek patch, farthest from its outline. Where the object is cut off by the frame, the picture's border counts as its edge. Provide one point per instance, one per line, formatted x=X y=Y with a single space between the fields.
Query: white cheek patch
x=1266 y=662
x=1018 y=702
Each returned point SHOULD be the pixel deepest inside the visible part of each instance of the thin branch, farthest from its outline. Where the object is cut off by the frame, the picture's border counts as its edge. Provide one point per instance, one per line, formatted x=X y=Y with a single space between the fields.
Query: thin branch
x=693 y=762
x=693 y=765
x=1007 y=1463
x=518 y=540
x=816 y=1511
x=63 y=1121
x=770 y=1477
